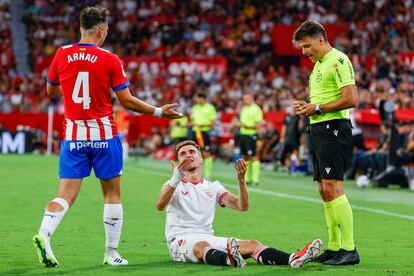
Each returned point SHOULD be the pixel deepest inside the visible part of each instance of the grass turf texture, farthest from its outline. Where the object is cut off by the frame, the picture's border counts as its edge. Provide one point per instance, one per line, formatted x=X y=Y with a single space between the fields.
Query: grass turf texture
x=283 y=213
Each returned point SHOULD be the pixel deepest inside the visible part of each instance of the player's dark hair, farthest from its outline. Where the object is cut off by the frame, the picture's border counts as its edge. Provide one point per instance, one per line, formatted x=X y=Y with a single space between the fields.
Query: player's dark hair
x=310 y=28
x=92 y=16
x=202 y=95
x=185 y=143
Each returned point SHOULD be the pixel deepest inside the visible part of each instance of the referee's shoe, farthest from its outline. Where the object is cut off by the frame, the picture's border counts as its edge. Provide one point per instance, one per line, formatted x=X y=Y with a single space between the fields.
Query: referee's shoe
x=344 y=257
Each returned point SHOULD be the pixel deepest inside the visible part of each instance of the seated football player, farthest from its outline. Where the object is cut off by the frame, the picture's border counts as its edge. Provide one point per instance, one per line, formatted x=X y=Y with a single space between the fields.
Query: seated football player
x=190 y=202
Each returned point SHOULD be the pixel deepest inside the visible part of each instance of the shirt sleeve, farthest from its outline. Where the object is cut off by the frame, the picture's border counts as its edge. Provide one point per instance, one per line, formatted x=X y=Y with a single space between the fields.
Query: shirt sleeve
x=119 y=79
x=344 y=72
x=213 y=113
x=221 y=192
x=53 y=75
x=259 y=116
x=164 y=186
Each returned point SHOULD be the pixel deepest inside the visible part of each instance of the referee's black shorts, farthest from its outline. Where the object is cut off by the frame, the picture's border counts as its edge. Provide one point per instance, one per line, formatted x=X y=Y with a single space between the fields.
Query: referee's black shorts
x=206 y=139
x=330 y=145
x=248 y=145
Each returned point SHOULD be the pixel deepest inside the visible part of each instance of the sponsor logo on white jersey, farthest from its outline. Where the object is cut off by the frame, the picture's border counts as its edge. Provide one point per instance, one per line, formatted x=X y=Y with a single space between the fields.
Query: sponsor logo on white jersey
x=210 y=194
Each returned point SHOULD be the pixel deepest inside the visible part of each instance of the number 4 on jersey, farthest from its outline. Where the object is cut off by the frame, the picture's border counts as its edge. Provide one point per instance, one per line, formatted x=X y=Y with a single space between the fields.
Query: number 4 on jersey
x=82 y=80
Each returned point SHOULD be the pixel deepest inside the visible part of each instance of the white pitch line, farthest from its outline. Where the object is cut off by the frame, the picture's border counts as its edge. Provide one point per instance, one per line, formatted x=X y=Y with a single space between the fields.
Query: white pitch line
x=313 y=200
x=295 y=197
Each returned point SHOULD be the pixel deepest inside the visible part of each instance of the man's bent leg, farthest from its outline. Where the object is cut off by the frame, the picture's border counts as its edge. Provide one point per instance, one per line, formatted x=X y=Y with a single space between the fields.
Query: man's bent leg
x=203 y=251
x=272 y=256
x=112 y=219
x=263 y=254
x=54 y=213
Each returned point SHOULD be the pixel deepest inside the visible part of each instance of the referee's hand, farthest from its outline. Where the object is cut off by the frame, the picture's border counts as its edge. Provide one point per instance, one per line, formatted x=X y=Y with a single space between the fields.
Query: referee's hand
x=297 y=105
x=304 y=109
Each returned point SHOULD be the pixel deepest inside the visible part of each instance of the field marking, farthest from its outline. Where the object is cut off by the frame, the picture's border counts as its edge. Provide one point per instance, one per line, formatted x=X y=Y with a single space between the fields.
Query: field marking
x=313 y=200
x=289 y=196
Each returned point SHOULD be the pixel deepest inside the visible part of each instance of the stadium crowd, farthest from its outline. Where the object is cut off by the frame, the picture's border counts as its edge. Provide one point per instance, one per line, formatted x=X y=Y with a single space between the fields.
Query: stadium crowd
x=238 y=30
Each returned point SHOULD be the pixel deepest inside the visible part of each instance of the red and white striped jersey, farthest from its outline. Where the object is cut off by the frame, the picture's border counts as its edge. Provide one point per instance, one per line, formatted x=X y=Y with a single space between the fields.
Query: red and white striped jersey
x=86 y=74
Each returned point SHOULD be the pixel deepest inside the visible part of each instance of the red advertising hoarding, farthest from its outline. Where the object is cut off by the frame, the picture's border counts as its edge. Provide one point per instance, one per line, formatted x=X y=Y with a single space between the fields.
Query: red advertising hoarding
x=156 y=65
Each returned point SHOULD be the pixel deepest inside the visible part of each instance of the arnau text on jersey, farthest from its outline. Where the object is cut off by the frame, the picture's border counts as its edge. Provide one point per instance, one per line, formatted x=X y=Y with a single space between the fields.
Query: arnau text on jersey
x=81 y=56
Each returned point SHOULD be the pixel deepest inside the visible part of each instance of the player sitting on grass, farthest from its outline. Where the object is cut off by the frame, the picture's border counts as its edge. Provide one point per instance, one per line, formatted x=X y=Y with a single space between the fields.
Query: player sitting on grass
x=190 y=202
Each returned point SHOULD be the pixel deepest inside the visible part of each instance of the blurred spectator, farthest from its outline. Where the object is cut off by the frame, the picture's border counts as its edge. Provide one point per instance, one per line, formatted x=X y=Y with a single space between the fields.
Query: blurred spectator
x=241 y=31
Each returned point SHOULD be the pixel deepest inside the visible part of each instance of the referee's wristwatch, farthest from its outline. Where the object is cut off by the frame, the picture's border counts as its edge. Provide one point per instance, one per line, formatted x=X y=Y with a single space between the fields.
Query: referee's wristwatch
x=318 y=110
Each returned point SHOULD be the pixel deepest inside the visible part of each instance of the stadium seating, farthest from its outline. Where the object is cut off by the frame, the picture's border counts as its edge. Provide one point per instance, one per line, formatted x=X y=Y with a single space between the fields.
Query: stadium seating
x=172 y=50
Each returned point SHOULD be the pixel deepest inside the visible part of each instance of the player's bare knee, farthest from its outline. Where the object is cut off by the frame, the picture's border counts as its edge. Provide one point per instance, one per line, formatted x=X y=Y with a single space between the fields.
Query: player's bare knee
x=252 y=245
x=198 y=248
x=54 y=207
x=255 y=243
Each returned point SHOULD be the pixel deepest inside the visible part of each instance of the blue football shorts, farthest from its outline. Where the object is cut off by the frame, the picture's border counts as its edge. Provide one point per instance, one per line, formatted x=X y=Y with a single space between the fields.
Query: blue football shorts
x=77 y=158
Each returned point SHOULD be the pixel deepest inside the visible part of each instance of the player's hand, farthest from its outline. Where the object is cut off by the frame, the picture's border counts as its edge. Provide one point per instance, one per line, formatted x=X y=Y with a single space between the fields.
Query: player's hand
x=183 y=165
x=241 y=168
x=169 y=113
x=306 y=110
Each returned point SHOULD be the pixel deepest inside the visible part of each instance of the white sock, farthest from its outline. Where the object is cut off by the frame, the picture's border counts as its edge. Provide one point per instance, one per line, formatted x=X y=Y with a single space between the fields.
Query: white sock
x=291 y=256
x=228 y=261
x=51 y=220
x=112 y=218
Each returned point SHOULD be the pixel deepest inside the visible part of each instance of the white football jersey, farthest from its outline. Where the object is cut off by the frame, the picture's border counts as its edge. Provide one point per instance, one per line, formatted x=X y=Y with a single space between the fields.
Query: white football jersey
x=192 y=208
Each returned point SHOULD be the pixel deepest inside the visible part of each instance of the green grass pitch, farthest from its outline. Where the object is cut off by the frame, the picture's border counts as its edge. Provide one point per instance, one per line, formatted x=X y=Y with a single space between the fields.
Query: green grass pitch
x=285 y=212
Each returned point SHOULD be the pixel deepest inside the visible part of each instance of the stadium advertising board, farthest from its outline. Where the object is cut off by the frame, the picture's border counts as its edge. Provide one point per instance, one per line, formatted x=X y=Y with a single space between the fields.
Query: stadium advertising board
x=15 y=142
x=184 y=65
x=156 y=65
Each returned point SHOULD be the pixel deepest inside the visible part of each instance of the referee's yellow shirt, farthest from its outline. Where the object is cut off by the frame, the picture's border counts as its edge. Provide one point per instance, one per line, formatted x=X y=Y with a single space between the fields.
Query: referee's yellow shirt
x=331 y=73
x=203 y=115
x=250 y=115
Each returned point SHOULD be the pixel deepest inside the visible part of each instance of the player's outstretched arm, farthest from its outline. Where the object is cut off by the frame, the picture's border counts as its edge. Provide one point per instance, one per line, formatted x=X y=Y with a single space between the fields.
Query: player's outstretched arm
x=166 y=194
x=241 y=202
x=132 y=103
x=53 y=90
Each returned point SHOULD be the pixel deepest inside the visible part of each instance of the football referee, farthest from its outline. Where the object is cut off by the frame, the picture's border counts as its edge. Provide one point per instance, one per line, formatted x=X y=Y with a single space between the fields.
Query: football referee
x=203 y=119
x=332 y=93
x=251 y=115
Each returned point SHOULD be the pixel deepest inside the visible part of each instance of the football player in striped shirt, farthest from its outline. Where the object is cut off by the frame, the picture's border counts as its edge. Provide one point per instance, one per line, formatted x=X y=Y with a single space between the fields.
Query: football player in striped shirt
x=84 y=74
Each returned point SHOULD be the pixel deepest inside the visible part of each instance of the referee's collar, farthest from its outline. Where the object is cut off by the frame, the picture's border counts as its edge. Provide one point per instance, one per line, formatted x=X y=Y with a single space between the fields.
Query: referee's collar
x=327 y=55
